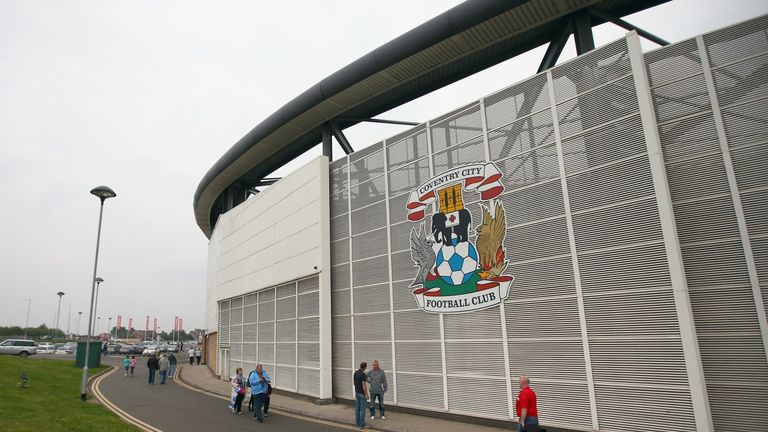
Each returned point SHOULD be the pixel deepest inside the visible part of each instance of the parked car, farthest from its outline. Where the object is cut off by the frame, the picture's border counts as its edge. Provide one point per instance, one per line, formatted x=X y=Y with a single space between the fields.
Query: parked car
x=125 y=349
x=19 y=347
x=149 y=350
x=113 y=348
x=46 y=348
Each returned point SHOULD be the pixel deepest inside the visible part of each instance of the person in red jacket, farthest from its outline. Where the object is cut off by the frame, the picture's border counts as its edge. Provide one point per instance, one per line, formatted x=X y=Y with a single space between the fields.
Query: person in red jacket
x=525 y=405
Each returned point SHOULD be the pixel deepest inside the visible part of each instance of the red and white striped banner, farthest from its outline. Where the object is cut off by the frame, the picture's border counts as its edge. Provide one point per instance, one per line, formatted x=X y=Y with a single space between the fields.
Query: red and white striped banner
x=176 y=324
x=181 y=324
x=483 y=178
x=146 y=326
x=155 y=328
x=119 y=321
x=130 y=323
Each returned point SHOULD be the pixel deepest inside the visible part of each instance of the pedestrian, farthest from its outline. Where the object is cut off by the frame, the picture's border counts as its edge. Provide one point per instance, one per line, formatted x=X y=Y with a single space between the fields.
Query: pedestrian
x=133 y=364
x=199 y=354
x=525 y=406
x=239 y=384
x=152 y=364
x=172 y=361
x=377 y=379
x=361 y=395
x=260 y=382
x=126 y=365
x=191 y=354
x=164 y=365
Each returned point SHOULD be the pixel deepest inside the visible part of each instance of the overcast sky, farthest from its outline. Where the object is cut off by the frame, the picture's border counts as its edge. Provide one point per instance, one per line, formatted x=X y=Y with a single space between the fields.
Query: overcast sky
x=144 y=96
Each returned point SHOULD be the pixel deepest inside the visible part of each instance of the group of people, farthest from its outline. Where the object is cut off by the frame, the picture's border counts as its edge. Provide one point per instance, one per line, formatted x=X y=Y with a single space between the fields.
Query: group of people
x=371 y=383
x=195 y=352
x=165 y=364
x=259 y=385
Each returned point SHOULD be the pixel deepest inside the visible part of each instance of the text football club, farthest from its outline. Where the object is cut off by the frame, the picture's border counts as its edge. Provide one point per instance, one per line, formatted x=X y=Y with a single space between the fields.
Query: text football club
x=456 y=275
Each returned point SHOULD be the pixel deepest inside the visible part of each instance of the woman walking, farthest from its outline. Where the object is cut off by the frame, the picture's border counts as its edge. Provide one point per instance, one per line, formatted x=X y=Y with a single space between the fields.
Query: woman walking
x=240 y=390
x=133 y=364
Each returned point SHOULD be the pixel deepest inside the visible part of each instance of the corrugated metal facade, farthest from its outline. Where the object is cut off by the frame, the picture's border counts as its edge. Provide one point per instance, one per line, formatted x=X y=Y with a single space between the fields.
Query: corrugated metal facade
x=597 y=311
x=279 y=328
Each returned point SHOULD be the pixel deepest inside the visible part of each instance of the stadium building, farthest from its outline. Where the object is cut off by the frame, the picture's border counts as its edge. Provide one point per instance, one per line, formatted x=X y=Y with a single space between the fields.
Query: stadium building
x=601 y=227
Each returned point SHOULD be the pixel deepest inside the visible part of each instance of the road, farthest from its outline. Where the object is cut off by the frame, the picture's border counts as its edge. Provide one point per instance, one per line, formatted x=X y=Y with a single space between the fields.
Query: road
x=173 y=408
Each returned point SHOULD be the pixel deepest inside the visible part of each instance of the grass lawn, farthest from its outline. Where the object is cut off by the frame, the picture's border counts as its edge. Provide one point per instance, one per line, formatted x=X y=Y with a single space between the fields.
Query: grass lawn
x=52 y=402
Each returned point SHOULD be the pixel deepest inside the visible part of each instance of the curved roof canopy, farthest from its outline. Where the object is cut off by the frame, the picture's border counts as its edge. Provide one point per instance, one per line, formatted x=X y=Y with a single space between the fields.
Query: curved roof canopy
x=473 y=36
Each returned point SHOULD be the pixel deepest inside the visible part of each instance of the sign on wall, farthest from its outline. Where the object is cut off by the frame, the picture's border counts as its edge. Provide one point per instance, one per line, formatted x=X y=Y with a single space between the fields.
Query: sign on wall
x=456 y=275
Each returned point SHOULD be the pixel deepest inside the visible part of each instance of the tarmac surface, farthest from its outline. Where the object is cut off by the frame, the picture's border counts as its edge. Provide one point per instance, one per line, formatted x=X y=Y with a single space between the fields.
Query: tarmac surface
x=197 y=400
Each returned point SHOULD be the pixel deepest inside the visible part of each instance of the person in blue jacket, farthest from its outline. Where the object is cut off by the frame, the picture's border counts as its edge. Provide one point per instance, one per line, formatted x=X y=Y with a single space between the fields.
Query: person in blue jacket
x=259 y=386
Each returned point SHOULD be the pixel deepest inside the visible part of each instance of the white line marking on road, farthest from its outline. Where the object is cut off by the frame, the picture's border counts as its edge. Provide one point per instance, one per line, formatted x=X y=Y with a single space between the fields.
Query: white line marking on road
x=112 y=407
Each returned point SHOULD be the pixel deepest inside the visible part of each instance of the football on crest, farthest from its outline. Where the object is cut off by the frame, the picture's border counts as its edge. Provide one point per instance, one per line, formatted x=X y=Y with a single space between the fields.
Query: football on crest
x=457 y=262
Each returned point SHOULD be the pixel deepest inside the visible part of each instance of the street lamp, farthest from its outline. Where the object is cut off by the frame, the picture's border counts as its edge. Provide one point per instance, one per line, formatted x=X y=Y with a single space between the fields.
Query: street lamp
x=26 y=326
x=69 y=318
x=96 y=302
x=109 y=327
x=79 y=314
x=58 y=312
x=101 y=192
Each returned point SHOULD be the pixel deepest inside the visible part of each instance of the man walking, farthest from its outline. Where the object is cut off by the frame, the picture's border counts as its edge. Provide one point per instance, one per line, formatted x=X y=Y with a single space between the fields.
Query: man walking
x=199 y=354
x=361 y=395
x=525 y=406
x=259 y=387
x=172 y=361
x=378 y=382
x=163 y=365
x=191 y=354
x=152 y=365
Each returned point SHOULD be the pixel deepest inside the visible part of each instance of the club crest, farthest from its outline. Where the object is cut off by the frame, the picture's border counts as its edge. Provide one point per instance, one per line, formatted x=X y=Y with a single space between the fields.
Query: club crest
x=456 y=275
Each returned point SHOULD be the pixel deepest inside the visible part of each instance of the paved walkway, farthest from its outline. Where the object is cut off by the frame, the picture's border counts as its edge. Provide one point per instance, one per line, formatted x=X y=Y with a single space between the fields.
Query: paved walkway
x=201 y=378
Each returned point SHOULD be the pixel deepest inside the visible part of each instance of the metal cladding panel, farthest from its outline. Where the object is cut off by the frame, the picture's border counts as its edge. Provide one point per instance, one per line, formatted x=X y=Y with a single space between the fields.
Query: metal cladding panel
x=285 y=331
x=285 y=377
x=370 y=351
x=372 y=328
x=486 y=324
x=376 y=298
x=547 y=359
x=420 y=391
x=737 y=42
x=547 y=318
x=340 y=302
x=484 y=397
x=749 y=165
x=546 y=278
x=371 y=244
x=406 y=150
x=419 y=356
x=530 y=167
x=342 y=383
x=308 y=329
x=340 y=251
x=566 y=403
x=540 y=201
x=340 y=228
x=755 y=204
x=672 y=62
x=619 y=408
x=743 y=81
x=408 y=177
x=689 y=137
x=469 y=152
x=286 y=308
x=621 y=181
x=680 y=98
x=309 y=355
x=745 y=124
x=622 y=225
x=308 y=305
x=415 y=325
x=309 y=381
x=340 y=278
x=286 y=353
x=516 y=102
x=598 y=146
x=456 y=129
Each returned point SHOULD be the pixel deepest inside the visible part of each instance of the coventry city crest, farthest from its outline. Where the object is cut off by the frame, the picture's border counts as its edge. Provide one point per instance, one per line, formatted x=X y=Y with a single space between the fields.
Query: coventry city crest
x=456 y=275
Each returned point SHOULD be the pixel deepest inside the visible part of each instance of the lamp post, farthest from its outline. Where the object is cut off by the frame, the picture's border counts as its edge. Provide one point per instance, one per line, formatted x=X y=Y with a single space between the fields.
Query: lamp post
x=109 y=327
x=102 y=193
x=69 y=318
x=58 y=312
x=26 y=326
x=79 y=314
x=96 y=302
